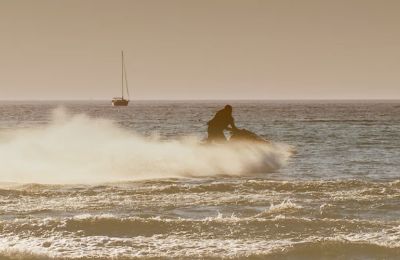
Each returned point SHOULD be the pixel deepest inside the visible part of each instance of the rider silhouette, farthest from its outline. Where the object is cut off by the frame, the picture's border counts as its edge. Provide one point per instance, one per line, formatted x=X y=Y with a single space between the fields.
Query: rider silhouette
x=220 y=122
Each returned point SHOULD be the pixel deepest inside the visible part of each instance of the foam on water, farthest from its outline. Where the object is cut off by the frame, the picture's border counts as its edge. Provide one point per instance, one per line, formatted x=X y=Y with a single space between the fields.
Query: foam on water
x=197 y=219
x=106 y=235
x=77 y=149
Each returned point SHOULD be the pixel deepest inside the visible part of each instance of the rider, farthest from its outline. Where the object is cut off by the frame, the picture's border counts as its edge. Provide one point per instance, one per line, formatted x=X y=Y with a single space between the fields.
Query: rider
x=221 y=121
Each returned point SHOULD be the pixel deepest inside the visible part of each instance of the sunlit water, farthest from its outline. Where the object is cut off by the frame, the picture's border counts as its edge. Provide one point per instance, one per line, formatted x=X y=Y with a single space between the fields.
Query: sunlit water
x=93 y=182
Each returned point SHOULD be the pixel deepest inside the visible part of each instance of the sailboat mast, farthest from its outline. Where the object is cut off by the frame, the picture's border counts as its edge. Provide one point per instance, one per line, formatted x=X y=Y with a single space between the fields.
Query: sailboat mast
x=122 y=73
x=126 y=81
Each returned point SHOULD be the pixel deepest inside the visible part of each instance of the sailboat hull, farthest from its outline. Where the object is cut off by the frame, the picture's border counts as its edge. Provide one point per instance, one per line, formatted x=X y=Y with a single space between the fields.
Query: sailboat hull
x=120 y=102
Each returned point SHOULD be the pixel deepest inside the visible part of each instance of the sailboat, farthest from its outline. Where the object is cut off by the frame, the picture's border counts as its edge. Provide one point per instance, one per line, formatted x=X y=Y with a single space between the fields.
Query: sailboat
x=121 y=101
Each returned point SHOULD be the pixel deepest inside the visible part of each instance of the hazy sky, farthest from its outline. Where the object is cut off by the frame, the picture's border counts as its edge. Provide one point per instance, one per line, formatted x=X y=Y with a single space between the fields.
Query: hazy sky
x=217 y=49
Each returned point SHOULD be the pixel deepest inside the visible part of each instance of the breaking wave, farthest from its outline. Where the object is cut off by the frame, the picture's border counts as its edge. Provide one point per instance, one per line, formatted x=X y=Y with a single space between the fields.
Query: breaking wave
x=215 y=249
x=103 y=236
x=79 y=149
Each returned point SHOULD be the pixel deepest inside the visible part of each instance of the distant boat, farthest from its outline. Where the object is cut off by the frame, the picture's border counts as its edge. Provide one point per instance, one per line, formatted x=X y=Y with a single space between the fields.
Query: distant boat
x=121 y=101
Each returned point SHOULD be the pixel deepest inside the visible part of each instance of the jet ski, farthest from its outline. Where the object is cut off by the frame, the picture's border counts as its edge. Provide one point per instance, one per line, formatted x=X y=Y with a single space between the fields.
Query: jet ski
x=239 y=136
x=244 y=135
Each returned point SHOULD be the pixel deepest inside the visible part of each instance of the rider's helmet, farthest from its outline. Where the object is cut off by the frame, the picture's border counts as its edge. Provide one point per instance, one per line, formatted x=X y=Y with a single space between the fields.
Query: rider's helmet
x=228 y=108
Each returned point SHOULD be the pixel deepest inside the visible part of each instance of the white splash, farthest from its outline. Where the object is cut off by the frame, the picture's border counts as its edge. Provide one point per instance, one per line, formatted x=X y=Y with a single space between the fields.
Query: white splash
x=79 y=149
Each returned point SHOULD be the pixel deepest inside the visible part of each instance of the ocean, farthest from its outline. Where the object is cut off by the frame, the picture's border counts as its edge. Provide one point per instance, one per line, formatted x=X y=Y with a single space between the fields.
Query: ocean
x=84 y=180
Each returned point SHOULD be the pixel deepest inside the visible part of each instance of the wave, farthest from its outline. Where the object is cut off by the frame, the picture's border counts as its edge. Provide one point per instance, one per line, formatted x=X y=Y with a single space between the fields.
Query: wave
x=79 y=149
x=171 y=186
x=230 y=225
x=256 y=185
x=285 y=206
x=200 y=244
x=213 y=250
x=333 y=249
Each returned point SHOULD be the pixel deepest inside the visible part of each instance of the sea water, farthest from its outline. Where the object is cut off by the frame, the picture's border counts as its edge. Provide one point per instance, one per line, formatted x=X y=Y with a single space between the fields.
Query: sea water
x=84 y=180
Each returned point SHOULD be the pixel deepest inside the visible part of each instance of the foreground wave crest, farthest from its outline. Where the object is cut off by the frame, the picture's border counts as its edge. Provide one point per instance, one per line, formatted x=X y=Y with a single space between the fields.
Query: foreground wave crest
x=202 y=218
x=108 y=236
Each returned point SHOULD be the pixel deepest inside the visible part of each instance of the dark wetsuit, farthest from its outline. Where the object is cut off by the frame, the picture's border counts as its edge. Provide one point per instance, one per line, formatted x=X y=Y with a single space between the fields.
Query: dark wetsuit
x=218 y=124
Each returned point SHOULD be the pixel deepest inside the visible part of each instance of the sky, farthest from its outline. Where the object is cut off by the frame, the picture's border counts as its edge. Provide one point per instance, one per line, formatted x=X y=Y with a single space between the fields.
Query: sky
x=200 y=49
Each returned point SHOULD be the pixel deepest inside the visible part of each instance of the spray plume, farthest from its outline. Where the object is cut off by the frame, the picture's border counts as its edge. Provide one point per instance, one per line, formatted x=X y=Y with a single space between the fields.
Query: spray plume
x=79 y=149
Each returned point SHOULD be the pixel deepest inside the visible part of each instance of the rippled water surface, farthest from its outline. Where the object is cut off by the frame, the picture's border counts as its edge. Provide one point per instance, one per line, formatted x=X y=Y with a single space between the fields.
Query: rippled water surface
x=338 y=197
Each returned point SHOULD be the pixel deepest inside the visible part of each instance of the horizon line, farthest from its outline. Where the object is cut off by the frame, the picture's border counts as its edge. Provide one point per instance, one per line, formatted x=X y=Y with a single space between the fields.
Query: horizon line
x=203 y=99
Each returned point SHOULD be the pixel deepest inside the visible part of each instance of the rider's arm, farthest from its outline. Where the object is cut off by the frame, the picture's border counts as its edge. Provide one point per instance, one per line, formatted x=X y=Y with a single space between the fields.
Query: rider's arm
x=232 y=123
